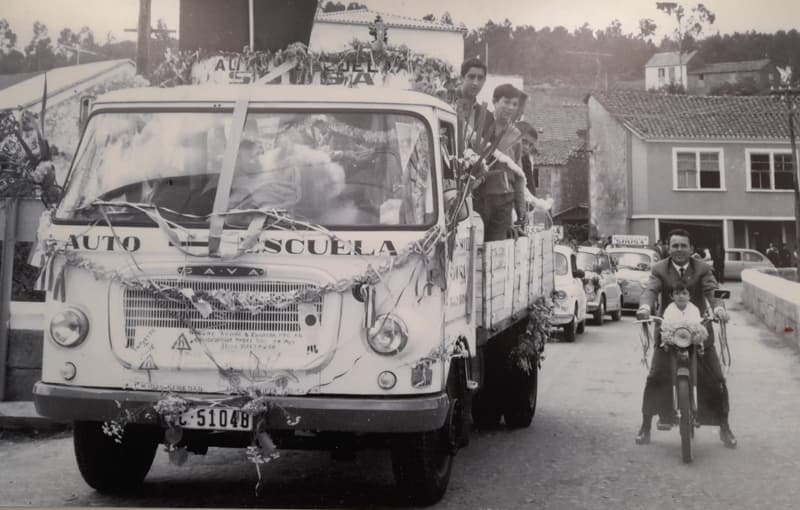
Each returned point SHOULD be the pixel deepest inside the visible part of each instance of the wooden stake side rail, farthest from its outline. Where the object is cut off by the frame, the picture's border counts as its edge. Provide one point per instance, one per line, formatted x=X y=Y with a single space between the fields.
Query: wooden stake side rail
x=510 y=276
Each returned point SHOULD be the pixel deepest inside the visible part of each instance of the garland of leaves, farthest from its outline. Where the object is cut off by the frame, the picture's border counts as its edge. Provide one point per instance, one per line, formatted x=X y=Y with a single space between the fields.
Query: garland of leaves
x=430 y=74
x=529 y=351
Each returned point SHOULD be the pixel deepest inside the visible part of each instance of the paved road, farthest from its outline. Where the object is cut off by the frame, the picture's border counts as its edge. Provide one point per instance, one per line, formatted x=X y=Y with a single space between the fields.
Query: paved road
x=579 y=453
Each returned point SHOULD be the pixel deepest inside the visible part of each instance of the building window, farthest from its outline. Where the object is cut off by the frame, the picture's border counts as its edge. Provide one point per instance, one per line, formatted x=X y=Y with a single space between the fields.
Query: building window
x=769 y=170
x=662 y=74
x=700 y=76
x=672 y=75
x=698 y=169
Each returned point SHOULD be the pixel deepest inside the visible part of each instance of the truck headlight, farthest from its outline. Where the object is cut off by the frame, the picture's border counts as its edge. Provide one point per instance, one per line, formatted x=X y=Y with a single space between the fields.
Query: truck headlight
x=388 y=336
x=69 y=327
x=559 y=295
x=589 y=289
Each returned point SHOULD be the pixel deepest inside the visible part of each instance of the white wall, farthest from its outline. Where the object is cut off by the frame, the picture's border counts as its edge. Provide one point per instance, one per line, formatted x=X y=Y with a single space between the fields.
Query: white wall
x=448 y=46
x=651 y=77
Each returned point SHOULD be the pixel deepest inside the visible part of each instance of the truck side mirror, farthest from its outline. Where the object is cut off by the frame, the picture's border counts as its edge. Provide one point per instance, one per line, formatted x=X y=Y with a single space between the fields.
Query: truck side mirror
x=578 y=273
x=85 y=108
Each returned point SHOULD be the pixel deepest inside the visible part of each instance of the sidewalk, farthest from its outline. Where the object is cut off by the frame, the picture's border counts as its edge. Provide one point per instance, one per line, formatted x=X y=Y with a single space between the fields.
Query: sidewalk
x=23 y=416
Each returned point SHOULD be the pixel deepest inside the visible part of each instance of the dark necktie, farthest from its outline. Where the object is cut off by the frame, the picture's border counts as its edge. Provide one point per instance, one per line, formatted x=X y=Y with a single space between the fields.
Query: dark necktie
x=682 y=270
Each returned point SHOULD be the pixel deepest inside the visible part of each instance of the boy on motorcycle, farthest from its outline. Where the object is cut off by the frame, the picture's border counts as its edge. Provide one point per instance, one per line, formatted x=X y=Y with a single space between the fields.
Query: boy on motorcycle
x=679 y=268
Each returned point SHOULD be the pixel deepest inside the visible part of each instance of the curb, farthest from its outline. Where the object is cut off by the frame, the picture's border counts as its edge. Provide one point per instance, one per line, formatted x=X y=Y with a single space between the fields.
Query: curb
x=23 y=416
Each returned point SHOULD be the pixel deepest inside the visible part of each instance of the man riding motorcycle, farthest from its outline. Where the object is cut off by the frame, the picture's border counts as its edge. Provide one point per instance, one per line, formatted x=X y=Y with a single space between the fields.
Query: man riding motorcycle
x=697 y=276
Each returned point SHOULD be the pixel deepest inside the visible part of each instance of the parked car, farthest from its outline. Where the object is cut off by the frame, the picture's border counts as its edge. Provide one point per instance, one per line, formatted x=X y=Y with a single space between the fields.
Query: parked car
x=633 y=269
x=739 y=259
x=603 y=293
x=569 y=298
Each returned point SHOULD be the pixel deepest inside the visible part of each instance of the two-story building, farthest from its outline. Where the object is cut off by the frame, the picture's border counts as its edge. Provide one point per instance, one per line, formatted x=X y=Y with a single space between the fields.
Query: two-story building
x=718 y=166
x=559 y=114
x=669 y=68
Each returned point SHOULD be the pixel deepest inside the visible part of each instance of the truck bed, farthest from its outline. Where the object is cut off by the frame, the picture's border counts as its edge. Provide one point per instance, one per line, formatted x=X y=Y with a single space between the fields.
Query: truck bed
x=509 y=276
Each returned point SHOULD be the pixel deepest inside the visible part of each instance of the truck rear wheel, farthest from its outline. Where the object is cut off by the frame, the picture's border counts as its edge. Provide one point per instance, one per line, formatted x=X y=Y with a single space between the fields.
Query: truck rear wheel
x=522 y=396
x=111 y=467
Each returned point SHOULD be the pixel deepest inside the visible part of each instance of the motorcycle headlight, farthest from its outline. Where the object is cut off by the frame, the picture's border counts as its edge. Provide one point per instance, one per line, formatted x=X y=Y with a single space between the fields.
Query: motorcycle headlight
x=69 y=327
x=588 y=288
x=388 y=336
x=681 y=338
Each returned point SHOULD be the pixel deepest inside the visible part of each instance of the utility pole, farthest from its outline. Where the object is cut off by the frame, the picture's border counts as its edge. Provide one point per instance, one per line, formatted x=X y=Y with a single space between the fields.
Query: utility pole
x=143 y=41
x=143 y=37
x=790 y=96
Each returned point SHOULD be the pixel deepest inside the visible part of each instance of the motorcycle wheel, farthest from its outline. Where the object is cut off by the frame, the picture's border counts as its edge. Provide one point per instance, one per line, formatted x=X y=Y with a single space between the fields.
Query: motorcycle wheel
x=686 y=423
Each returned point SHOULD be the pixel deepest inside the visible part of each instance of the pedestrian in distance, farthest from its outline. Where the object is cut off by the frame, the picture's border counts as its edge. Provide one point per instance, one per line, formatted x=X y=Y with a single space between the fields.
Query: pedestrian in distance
x=773 y=255
x=784 y=256
x=680 y=268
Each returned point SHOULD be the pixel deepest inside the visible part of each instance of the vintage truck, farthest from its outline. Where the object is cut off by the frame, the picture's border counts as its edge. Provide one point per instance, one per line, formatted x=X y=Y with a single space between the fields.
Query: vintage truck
x=324 y=300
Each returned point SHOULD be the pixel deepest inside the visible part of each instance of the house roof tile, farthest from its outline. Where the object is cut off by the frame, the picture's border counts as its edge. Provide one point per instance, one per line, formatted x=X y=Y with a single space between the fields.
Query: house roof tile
x=669 y=58
x=366 y=17
x=558 y=115
x=732 y=67
x=681 y=117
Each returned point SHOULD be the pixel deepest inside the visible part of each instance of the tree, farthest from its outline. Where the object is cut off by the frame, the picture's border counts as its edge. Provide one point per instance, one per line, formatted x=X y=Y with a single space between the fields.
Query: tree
x=647 y=28
x=39 y=52
x=333 y=7
x=446 y=19
x=429 y=17
x=8 y=39
x=354 y=6
x=688 y=27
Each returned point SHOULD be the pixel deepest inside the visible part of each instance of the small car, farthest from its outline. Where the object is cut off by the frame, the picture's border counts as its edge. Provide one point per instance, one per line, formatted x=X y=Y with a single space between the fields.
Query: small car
x=739 y=259
x=633 y=270
x=603 y=293
x=569 y=298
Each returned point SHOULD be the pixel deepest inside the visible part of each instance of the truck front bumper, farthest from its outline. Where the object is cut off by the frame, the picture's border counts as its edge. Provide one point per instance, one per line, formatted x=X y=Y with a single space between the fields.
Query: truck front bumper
x=319 y=413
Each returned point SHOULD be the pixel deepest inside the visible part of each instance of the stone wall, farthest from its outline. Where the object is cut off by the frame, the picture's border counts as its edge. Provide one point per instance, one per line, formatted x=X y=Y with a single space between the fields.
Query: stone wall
x=774 y=300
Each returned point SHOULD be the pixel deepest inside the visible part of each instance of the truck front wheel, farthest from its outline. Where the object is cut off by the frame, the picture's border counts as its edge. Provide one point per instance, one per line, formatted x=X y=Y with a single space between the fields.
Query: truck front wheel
x=111 y=467
x=422 y=463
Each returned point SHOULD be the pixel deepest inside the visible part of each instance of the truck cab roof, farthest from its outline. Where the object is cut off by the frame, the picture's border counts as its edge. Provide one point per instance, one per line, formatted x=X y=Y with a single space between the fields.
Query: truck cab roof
x=227 y=95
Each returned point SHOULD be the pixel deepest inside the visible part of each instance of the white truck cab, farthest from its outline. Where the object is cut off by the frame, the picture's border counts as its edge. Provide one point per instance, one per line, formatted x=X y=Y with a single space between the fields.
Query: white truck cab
x=231 y=264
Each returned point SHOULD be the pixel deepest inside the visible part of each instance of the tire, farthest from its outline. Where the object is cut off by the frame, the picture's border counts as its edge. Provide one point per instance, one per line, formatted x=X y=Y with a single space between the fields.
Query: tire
x=570 y=330
x=617 y=315
x=687 y=421
x=422 y=463
x=110 y=467
x=600 y=314
x=581 y=327
x=520 y=406
x=486 y=411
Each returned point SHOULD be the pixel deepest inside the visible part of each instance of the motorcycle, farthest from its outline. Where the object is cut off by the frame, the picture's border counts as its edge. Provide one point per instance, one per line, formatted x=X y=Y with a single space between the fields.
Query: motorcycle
x=685 y=344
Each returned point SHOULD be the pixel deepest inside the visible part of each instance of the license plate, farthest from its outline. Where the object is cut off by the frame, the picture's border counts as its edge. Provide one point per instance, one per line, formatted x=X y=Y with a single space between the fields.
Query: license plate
x=216 y=418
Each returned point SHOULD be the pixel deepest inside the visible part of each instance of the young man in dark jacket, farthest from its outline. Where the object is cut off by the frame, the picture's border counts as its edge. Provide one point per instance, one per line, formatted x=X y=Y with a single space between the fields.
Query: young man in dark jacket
x=503 y=187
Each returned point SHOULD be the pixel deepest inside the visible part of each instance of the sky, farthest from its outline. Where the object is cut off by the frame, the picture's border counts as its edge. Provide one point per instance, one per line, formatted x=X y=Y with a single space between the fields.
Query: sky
x=104 y=16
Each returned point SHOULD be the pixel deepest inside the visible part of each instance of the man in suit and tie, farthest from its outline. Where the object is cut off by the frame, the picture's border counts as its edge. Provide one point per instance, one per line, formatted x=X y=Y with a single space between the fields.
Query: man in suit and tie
x=697 y=276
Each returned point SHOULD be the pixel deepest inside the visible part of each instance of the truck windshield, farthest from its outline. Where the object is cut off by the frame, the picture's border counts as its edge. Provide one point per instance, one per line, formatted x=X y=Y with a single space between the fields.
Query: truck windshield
x=356 y=169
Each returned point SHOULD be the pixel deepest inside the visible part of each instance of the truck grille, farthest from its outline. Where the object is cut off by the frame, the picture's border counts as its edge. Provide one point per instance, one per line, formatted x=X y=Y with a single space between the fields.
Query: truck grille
x=144 y=309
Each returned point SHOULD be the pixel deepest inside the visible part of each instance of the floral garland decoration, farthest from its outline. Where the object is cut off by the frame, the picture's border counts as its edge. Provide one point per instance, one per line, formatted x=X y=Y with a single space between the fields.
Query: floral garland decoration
x=529 y=350
x=429 y=74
